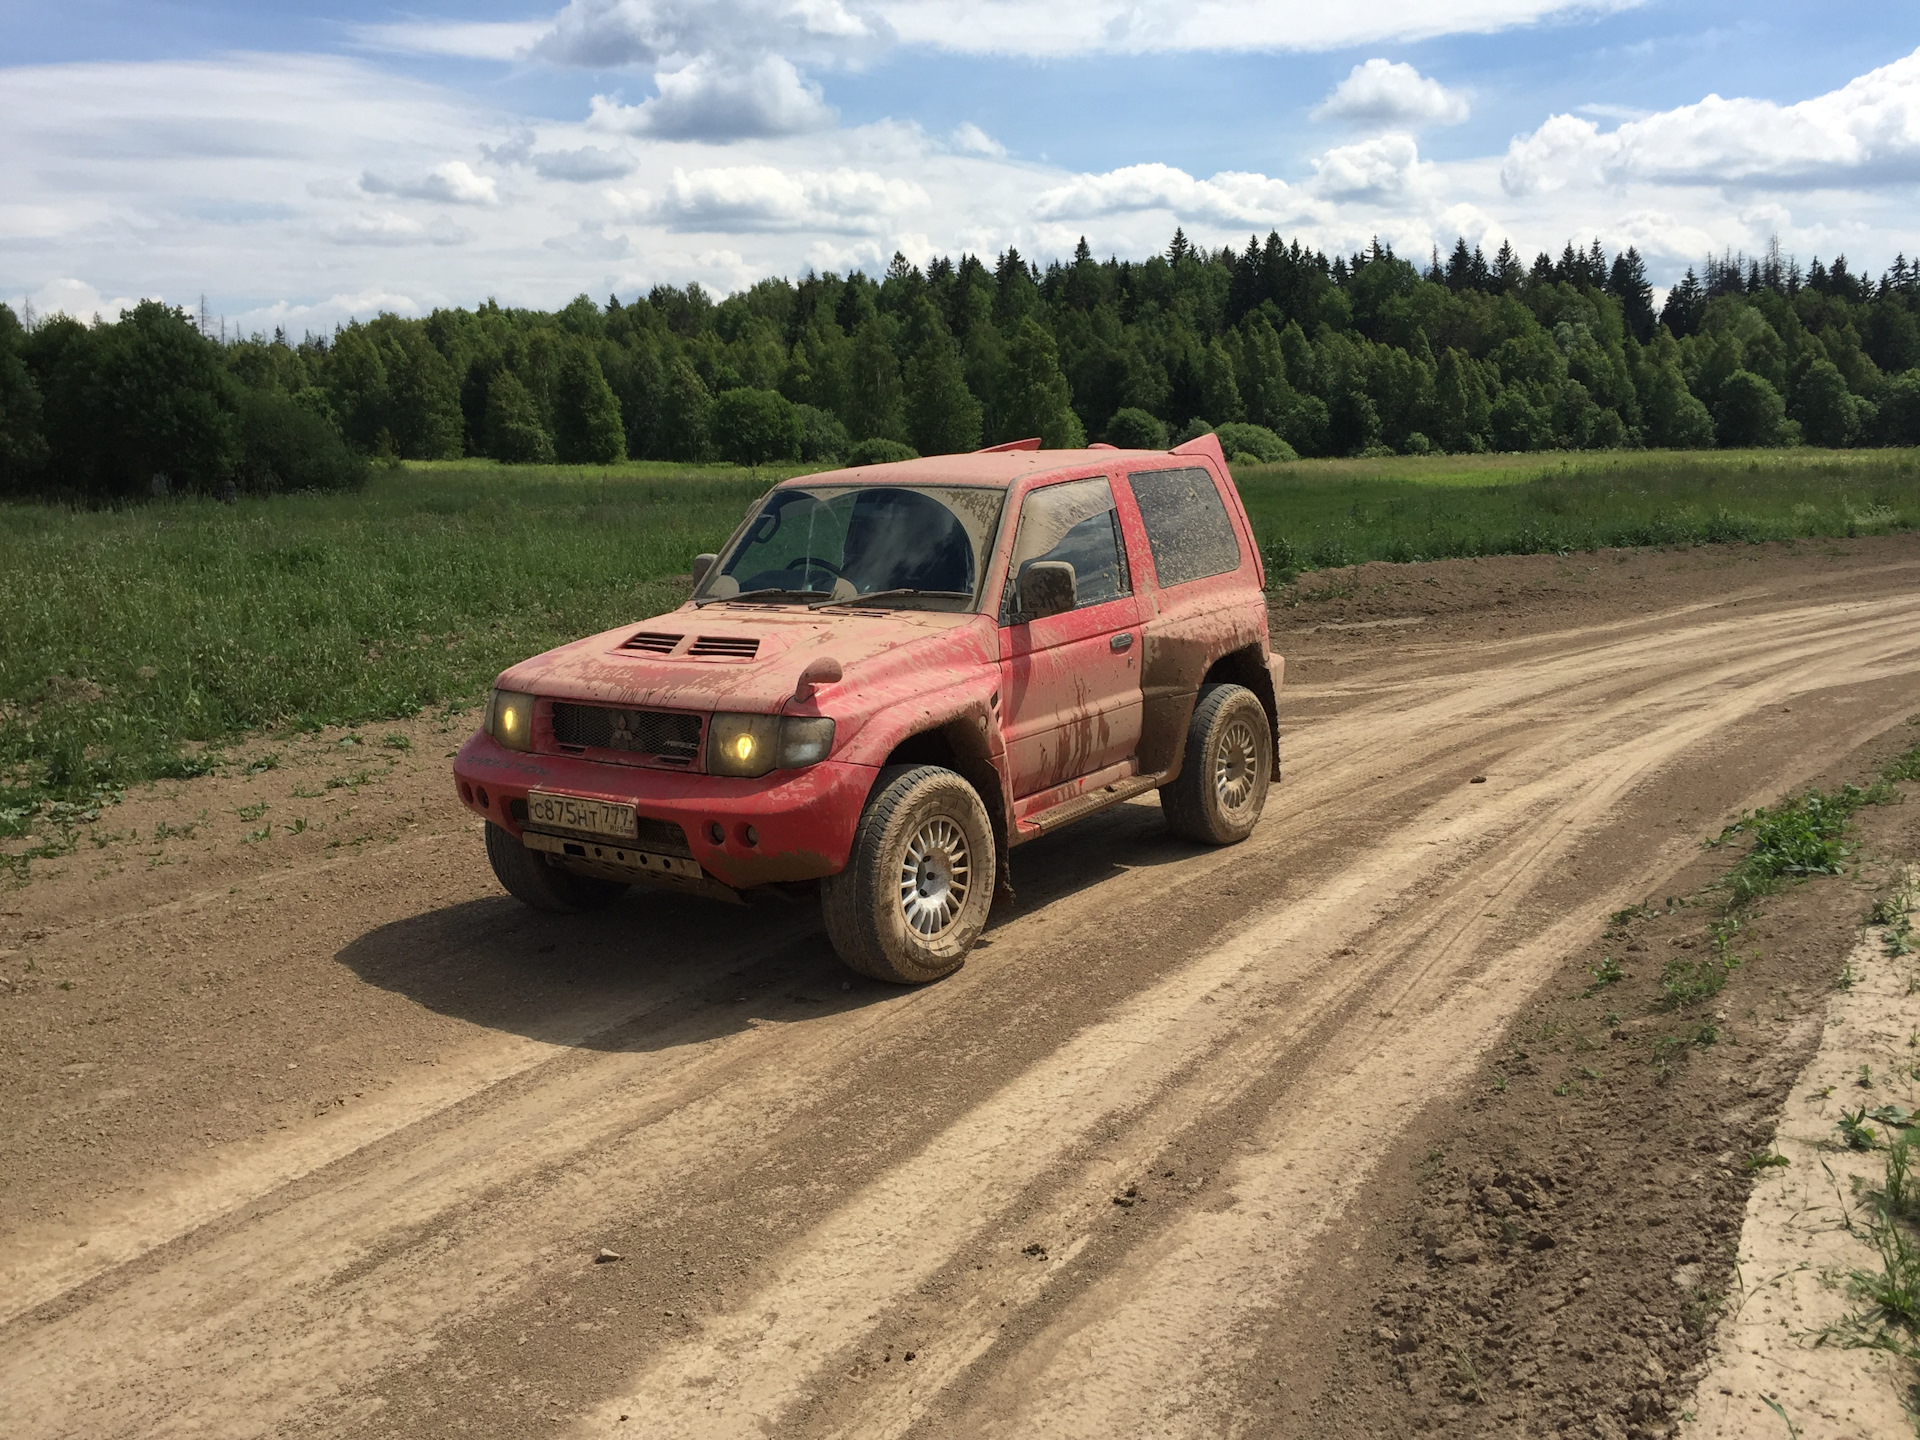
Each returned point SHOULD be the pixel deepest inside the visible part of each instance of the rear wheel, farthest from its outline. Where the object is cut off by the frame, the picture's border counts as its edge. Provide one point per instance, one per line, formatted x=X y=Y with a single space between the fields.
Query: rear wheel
x=529 y=876
x=916 y=889
x=1222 y=785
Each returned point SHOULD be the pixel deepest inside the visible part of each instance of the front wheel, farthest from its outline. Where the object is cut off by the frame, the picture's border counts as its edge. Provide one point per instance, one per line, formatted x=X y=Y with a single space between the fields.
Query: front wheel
x=1222 y=785
x=916 y=889
x=529 y=876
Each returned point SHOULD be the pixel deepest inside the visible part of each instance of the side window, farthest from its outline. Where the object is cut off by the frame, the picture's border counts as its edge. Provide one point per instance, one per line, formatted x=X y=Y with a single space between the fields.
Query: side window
x=1188 y=527
x=1074 y=522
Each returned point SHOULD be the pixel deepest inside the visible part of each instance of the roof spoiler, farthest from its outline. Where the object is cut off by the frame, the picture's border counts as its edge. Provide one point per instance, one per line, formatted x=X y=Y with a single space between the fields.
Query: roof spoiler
x=1031 y=443
x=1207 y=444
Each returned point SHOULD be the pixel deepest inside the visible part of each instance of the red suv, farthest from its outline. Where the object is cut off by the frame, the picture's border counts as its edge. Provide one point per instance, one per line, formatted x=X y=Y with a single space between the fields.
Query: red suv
x=890 y=677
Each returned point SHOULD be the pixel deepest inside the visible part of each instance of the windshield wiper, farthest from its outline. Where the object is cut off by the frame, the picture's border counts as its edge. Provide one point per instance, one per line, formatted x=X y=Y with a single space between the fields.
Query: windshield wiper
x=884 y=594
x=752 y=594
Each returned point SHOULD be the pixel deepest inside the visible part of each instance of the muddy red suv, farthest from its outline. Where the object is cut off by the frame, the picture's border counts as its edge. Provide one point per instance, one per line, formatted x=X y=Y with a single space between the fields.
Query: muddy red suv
x=889 y=678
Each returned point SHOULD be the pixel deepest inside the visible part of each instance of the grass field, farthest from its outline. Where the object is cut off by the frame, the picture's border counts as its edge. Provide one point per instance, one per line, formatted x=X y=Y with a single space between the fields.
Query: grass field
x=139 y=640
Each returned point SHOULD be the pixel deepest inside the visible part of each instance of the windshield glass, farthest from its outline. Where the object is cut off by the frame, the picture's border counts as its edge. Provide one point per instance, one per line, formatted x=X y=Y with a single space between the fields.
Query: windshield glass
x=840 y=542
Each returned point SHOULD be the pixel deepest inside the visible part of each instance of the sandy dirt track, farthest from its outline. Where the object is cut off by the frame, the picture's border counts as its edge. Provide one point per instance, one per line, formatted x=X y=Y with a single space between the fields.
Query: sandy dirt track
x=326 y=1141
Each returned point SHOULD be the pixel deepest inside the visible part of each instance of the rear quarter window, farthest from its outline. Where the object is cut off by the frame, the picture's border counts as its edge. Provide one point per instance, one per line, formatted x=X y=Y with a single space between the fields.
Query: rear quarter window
x=1188 y=528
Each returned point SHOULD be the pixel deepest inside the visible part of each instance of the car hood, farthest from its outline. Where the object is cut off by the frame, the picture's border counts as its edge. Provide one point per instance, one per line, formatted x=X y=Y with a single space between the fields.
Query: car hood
x=726 y=658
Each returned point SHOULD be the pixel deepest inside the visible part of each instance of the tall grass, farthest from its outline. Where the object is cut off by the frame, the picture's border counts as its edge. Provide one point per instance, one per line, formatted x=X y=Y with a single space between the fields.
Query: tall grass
x=1313 y=515
x=133 y=633
x=137 y=637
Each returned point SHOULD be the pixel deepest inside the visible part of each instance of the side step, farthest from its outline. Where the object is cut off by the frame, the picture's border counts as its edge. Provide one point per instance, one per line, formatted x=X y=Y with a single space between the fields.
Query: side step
x=1081 y=806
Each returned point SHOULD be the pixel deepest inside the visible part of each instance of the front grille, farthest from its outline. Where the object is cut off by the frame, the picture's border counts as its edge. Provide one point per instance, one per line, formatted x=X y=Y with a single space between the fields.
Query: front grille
x=724 y=647
x=669 y=735
x=651 y=641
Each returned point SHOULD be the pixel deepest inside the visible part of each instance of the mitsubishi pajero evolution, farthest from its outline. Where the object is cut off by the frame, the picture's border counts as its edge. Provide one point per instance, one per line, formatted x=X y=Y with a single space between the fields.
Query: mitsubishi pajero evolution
x=890 y=677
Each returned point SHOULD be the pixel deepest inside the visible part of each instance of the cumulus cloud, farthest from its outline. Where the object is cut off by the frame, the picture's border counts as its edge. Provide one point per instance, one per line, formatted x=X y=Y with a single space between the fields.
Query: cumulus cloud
x=763 y=197
x=589 y=162
x=1868 y=131
x=1230 y=197
x=714 y=100
x=454 y=182
x=611 y=34
x=1381 y=93
x=1383 y=170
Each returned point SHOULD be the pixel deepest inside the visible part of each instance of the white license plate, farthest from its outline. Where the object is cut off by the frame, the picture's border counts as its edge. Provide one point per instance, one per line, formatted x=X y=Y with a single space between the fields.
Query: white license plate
x=586 y=817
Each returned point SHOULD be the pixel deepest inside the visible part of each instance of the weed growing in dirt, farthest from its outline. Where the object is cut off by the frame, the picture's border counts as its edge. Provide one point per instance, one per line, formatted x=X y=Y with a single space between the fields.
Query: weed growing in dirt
x=1799 y=837
x=1607 y=972
x=1855 y=1132
x=1890 y=1320
x=1758 y=1160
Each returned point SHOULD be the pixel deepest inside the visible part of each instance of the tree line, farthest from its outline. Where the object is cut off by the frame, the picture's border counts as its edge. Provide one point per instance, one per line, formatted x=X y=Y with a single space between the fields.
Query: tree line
x=1281 y=349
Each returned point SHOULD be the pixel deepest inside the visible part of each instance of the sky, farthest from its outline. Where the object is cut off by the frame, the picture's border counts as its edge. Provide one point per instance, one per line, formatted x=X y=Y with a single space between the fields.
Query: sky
x=301 y=165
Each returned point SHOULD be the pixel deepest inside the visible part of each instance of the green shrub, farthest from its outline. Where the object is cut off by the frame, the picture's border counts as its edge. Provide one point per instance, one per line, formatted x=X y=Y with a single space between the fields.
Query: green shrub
x=878 y=451
x=1134 y=429
x=1239 y=438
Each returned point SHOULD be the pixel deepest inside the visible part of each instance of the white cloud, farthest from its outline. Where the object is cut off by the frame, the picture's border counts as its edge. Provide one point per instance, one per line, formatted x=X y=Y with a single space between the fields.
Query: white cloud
x=763 y=197
x=1382 y=170
x=1020 y=27
x=387 y=228
x=460 y=40
x=1230 y=197
x=81 y=301
x=611 y=34
x=972 y=140
x=452 y=181
x=1868 y=131
x=589 y=162
x=714 y=100
x=1385 y=94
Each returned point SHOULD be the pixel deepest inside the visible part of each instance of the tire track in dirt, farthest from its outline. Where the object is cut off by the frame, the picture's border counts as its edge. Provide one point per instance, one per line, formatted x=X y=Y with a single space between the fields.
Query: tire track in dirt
x=329 y=1262
x=746 y=1369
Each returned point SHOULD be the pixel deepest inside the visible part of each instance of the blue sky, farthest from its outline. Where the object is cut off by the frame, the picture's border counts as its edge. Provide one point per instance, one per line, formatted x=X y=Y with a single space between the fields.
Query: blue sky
x=299 y=164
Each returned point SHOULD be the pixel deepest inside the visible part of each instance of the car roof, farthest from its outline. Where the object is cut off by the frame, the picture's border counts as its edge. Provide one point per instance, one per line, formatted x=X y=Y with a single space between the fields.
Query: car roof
x=998 y=469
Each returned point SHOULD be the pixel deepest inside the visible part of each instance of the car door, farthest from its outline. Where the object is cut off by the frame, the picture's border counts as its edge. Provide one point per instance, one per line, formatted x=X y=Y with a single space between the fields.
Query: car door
x=1071 y=681
x=1200 y=575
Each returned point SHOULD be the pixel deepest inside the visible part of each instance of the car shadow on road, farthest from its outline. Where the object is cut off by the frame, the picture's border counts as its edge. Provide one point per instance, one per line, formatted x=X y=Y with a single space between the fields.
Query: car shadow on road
x=657 y=970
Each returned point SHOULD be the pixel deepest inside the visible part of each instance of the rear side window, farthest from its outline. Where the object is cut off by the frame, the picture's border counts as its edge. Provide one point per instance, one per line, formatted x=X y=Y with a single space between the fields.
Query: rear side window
x=1188 y=527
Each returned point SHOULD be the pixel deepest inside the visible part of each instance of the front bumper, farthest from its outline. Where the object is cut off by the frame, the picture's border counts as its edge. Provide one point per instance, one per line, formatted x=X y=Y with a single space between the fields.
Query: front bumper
x=802 y=821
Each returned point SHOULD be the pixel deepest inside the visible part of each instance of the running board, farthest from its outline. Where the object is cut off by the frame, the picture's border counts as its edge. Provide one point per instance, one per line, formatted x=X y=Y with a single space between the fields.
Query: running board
x=1081 y=806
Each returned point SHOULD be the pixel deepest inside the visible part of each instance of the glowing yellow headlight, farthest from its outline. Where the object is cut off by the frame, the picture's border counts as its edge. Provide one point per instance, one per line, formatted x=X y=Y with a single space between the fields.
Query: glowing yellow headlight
x=510 y=719
x=743 y=747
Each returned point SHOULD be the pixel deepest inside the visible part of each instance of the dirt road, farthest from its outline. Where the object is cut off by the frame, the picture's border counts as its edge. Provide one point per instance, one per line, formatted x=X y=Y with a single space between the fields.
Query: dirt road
x=306 y=1140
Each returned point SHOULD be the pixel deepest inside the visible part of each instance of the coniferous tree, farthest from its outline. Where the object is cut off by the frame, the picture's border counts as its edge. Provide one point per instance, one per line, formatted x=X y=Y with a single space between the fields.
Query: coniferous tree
x=872 y=401
x=942 y=416
x=1034 y=396
x=586 y=416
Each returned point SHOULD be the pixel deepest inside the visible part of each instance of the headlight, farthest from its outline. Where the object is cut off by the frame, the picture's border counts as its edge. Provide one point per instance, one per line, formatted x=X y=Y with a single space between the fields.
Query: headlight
x=751 y=745
x=510 y=719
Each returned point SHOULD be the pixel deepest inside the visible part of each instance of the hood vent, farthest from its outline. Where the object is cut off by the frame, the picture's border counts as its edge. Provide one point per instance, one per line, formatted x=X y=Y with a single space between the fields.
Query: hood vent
x=723 y=647
x=651 y=641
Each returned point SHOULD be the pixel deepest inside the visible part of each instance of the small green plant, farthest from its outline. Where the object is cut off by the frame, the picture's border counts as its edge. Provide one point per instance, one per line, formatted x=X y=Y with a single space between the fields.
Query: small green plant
x=1855 y=1132
x=250 y=813
x=350 y=782
x=1607 y=972
x=1500 y=1083
x=166 y=830
x=1799 y=837
x=270 y=761
x=396 y=741
x=254 y=837
x=1793 y=1430
x=1758 y=1160
x=1846 y=979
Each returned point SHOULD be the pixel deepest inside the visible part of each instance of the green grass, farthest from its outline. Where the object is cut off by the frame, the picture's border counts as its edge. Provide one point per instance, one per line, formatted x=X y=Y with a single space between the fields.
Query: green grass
x=136 y=637
x=140 y=639
x=1321 y=514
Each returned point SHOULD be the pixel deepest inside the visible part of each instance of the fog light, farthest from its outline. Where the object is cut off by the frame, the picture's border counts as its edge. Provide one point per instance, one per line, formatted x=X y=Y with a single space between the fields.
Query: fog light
x=752 y=836
x=481 y=796
x=716 y=834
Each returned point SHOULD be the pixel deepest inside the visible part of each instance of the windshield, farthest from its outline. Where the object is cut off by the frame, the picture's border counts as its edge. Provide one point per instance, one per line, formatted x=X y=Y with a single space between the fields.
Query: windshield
x=919 y=545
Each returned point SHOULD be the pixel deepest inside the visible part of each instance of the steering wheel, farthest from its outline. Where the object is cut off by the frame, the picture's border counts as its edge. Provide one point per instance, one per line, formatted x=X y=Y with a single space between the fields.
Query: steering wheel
x=807 y=563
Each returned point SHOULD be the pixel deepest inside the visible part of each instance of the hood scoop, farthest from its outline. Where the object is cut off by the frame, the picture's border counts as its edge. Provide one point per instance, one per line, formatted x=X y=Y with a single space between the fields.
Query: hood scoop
x=652 y=642
x=724 y=647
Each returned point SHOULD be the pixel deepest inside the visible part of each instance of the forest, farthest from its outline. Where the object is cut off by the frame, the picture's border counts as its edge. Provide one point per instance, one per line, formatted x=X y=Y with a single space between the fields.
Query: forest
x=1282 y=350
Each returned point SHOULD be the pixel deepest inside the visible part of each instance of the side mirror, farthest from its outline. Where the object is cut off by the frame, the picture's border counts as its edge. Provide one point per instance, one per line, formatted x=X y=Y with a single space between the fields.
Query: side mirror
x=1047 y=587
x=702 y=564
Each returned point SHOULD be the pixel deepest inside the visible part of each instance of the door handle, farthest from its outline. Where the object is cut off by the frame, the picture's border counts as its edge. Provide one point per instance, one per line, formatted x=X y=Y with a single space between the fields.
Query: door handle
x=1122 y=641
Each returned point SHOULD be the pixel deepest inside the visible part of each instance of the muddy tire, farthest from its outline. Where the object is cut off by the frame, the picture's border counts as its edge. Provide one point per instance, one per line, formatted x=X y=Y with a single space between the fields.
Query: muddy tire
x=530 y=877
x=918 y=884
x=1222 y=786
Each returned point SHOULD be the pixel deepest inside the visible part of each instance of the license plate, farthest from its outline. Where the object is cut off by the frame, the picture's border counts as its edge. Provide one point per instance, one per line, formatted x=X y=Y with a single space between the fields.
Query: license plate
x=586 y=817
